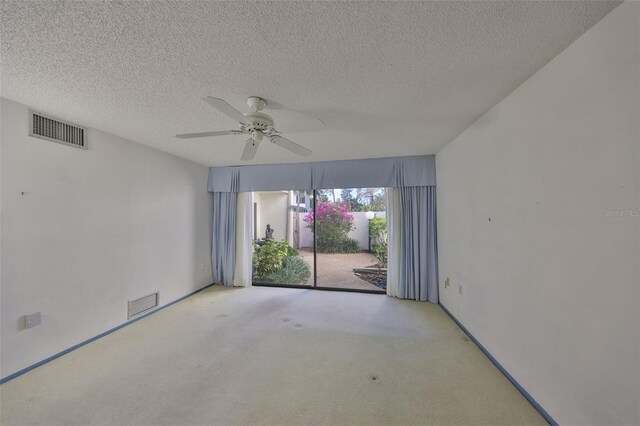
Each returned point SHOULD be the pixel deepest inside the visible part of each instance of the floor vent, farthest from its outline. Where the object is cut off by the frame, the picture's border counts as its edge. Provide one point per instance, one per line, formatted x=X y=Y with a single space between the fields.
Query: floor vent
x=144 y=304
x=55 y=130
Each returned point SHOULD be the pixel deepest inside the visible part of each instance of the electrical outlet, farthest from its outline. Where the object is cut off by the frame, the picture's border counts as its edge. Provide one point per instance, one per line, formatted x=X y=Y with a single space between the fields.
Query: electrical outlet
x=446 y=283
x=32 y=320
x=460 y=289
x=202 y=266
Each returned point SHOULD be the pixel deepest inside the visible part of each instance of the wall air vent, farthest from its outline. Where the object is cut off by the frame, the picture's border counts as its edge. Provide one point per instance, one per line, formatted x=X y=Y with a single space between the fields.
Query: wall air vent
x=143 y=304
x=51 y=129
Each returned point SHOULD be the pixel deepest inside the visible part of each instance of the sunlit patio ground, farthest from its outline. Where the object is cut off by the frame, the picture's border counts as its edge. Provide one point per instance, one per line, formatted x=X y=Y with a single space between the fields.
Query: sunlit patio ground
x=336 y=269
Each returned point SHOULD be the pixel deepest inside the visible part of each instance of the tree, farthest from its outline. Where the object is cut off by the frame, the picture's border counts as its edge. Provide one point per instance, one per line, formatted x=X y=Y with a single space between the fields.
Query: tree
x=345 y=194
x=322 y=196
x=347 y=197
x=379 y=203
x=366 y=195
x=370 y=199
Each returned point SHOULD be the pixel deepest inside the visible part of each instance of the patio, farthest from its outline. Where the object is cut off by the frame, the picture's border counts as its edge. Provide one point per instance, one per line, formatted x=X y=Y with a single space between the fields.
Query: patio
x=335 y=270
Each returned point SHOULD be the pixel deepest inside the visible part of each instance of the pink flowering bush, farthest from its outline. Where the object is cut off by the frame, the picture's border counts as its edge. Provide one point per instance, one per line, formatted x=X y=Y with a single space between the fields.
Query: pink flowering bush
x=333 y=226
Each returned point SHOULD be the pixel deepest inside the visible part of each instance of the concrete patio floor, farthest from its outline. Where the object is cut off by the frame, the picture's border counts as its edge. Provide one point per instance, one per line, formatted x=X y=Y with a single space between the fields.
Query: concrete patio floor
x=336 y=269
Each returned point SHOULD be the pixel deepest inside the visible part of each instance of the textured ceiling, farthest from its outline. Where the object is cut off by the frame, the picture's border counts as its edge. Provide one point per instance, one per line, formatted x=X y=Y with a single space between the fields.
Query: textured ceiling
x=387 y=78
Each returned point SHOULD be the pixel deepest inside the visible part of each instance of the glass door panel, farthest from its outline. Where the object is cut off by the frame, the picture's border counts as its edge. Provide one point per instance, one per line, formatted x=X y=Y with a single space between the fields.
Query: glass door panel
x=282 y=246
x=350 y=238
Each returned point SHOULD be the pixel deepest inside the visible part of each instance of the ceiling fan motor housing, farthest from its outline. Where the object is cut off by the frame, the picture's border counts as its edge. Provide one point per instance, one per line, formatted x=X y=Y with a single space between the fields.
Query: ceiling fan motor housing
x=255 y=103
x=260 y=121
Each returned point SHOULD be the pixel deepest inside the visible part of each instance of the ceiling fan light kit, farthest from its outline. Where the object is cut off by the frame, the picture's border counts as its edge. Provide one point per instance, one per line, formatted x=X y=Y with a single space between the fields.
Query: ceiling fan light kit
x=257 y=124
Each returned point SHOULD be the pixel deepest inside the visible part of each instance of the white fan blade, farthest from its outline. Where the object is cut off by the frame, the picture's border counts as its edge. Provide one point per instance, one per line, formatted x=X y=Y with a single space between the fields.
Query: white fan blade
x=311 y=125
x=205 y=134
x=222 y=106
x=290 y=145
x=250 y=149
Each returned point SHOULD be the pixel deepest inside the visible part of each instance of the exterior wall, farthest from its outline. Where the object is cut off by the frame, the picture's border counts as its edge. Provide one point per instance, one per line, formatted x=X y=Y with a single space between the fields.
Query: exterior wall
x=360 y=233
x=273 y=209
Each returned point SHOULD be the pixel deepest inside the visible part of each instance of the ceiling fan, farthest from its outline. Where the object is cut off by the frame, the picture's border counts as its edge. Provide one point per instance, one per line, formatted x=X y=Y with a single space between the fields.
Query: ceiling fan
x=258 y=126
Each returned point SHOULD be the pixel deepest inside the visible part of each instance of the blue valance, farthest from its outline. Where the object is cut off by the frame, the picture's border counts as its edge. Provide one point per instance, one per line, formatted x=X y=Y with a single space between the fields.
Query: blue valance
x=367 y=173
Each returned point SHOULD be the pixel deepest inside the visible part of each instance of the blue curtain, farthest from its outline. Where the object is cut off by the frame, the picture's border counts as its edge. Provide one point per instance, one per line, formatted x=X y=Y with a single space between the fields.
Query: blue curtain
x=223 y=241
x=413 y=253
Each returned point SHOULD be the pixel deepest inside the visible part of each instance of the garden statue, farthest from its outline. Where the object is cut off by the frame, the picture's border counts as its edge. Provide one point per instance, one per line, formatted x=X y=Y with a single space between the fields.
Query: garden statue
x=269 y=233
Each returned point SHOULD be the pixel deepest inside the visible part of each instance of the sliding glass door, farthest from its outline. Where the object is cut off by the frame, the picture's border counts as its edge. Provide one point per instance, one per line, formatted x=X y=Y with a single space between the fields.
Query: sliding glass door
x=329 y=239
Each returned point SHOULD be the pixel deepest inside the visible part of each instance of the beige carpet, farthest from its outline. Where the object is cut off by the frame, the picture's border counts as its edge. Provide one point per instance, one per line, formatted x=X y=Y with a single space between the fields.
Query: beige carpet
x=273 y=356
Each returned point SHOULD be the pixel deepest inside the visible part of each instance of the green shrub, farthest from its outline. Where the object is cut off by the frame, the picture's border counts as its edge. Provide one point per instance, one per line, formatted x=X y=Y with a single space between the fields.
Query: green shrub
x=291 y=251
x=294 y=271
x=378 y=236
x=380 y=252
x=268 y=257
x=350 y=245
x=332 y=244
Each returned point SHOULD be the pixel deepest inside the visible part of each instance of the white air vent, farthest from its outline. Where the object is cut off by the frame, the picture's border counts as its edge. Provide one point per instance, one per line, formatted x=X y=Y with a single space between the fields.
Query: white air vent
x=138 y=306
x=55 y=130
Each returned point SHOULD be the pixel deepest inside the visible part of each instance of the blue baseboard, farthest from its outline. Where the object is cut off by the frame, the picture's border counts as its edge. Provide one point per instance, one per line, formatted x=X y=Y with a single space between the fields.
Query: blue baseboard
x=495 y=362
x=73 y=348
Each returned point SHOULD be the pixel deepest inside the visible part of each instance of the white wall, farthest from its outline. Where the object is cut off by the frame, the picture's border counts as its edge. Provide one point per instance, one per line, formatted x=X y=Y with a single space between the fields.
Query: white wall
x=95 y=229
x=360 y=233
x=272 y=209
x=550 y=279
x=306 y=235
